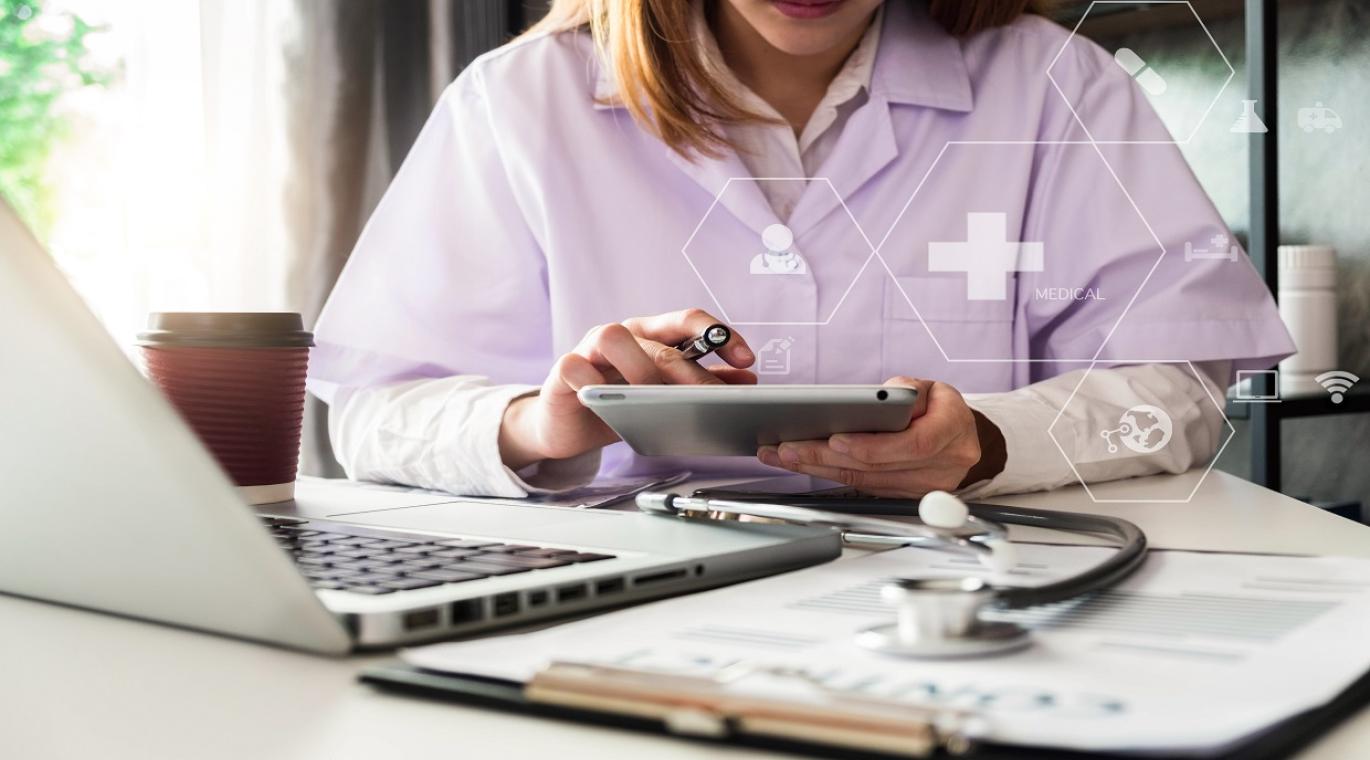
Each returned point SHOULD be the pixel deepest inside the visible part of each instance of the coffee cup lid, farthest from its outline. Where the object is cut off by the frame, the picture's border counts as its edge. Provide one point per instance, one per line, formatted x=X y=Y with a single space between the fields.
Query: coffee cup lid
x=226 y=330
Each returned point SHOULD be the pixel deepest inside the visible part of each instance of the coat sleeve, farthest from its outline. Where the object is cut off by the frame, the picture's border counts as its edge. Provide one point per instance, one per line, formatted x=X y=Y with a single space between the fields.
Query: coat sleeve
x=448 y=277
x=447 y=280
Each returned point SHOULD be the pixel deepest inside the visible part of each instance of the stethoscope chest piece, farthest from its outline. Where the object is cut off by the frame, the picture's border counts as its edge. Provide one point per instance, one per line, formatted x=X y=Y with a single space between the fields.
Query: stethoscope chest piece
x=939 y=618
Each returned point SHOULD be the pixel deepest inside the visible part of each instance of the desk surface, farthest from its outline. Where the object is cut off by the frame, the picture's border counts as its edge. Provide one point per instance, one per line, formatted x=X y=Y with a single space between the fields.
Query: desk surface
x=76 y=684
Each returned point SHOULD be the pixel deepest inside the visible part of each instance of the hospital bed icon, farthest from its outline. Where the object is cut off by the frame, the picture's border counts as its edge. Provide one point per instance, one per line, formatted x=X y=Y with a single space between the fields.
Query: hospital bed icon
x=1221 y=248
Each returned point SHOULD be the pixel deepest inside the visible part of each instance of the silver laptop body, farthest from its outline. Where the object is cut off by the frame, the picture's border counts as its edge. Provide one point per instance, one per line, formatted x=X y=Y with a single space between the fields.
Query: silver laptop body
x=109 y=502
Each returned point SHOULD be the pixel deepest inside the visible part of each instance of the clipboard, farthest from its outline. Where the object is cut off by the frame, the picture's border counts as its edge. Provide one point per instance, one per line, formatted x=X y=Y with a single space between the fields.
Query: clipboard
x=540 y=698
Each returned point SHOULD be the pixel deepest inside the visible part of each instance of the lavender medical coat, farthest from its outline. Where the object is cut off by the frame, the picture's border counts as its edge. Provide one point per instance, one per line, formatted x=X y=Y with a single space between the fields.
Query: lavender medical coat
x=527 y=213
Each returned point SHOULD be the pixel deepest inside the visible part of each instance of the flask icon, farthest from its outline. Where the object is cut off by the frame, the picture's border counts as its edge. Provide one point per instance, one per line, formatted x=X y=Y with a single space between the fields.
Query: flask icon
x=1249 y=122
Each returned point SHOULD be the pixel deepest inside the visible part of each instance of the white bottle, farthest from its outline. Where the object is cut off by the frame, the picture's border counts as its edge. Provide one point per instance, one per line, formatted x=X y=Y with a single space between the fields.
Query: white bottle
x=1308 y=306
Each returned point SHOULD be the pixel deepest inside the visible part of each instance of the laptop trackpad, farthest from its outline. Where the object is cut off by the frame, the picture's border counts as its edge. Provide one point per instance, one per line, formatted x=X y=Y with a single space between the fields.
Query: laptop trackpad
x=503 y=521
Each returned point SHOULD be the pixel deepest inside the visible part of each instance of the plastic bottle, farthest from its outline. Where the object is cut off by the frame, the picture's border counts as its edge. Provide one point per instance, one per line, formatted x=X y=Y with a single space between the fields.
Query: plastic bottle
x=1308 y=306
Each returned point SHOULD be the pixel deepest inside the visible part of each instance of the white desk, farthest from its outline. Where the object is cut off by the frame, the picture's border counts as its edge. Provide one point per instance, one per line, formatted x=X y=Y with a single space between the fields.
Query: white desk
x=76 y=684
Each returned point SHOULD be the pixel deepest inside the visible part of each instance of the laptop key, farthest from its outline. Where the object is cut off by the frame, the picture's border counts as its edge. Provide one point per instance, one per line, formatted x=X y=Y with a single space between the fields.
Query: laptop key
x=332 y=585
x=420 y=564
x=532 y=563
x=362 y=553
x=465 y=543
x=405 y=568
x=361 y=564
x=450 y=553
x=483 y=569
x=547 y=552
x=418 y=550
x=447 y=576
x=319 y=573
x=311 y=560
x=355 y=541
x=388 y=544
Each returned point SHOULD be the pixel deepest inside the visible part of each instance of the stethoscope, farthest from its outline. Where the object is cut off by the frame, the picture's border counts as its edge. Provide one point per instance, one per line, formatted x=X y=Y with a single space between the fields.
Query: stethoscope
x=944 y=617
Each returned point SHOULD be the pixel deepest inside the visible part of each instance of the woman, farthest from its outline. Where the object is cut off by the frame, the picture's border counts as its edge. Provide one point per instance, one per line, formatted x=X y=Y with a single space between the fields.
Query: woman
x=992 y=204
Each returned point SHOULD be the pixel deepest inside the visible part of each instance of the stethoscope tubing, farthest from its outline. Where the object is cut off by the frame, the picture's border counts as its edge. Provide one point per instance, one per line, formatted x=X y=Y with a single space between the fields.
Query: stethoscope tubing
x=844 y=522
x=1130 y=554
x=988 y=519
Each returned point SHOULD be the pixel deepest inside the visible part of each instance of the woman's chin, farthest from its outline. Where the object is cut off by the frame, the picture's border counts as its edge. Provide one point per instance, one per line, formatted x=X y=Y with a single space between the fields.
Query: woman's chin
x=801 y=39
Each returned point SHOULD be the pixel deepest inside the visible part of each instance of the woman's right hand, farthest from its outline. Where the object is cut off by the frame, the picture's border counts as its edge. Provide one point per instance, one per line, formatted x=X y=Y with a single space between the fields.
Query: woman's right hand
x=641 y=351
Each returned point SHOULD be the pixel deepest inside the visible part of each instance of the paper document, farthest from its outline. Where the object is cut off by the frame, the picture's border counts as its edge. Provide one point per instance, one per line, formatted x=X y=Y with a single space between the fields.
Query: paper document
x=1193 y=652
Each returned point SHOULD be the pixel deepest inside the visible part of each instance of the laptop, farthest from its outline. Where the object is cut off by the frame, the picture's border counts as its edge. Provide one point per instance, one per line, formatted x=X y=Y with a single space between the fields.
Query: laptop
x=111 y=503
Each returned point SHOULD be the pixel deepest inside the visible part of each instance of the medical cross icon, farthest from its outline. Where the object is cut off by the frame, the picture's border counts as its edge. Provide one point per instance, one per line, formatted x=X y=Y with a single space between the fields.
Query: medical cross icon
x=986 y=256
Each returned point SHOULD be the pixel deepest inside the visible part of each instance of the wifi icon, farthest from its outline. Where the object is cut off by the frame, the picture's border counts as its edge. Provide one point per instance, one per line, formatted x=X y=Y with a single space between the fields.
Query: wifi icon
x=1337 y=382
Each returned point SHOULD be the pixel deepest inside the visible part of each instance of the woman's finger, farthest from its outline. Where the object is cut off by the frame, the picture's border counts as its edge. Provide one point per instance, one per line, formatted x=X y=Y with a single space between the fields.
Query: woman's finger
x=675 y=327
x=933 y=427
x=612 y=346
x=571 y=373
x=818 y=453
x=898 y=483
x=675 y=369
x=733 y=375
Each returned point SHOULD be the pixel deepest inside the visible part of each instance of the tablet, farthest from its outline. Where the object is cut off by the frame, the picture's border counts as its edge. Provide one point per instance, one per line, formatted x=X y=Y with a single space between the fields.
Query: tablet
x=733 y=420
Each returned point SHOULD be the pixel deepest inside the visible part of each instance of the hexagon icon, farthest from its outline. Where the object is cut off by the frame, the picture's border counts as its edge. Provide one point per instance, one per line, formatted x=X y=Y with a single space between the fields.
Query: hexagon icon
x=1095 y=448
x=992 y=277
x=761 y=270
x=1181 y=90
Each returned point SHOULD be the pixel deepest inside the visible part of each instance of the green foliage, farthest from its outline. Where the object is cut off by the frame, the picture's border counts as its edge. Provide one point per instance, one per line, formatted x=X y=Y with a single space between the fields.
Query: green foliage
x=41 y=59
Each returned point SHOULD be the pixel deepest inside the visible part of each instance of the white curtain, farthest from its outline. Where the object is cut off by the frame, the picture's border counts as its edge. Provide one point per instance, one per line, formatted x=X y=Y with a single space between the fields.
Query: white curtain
x=169 y=186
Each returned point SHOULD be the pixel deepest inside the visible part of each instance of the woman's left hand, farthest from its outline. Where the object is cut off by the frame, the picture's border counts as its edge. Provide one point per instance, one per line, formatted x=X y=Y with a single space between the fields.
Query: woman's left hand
x=946 y=446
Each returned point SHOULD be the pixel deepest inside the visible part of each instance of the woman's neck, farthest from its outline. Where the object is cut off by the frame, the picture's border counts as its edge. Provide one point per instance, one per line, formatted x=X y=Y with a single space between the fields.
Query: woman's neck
x=792 y=84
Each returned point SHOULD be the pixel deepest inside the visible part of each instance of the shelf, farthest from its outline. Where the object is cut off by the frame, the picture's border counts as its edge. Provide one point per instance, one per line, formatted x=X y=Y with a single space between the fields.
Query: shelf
x=1356 y=402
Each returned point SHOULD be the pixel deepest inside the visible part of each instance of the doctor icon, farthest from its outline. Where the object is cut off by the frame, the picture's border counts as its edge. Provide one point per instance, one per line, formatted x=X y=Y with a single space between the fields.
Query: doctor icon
x=779 y=256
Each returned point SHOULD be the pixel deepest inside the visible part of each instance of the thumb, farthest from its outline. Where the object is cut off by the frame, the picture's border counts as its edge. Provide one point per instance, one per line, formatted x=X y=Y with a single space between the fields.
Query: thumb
x=923 y=387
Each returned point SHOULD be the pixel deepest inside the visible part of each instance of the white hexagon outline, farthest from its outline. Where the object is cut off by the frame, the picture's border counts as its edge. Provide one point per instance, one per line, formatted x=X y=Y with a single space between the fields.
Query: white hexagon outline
x=875 y=253
x=722 y=312
x=1231 y=433
x=1231 y=72
x=1135 y=208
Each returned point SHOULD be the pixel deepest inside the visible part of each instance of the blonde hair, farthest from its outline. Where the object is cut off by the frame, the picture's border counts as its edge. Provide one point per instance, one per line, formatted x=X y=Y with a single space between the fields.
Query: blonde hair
x=664 y=83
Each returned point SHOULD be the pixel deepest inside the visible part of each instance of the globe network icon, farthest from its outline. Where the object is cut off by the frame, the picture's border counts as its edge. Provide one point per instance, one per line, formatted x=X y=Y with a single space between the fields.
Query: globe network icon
x=1144 y=429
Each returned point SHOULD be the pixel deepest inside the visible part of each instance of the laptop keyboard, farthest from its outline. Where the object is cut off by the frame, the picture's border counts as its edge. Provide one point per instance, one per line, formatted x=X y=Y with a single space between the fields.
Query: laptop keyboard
x=363 y=561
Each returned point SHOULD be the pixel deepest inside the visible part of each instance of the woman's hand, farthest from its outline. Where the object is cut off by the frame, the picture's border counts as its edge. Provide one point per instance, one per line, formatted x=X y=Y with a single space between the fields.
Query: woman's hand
x=639 y=351
x=946 y=446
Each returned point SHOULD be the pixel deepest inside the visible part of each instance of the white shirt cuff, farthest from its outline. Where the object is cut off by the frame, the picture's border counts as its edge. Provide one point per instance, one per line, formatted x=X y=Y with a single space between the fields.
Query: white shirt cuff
x=1034 y=462
x=480 y=442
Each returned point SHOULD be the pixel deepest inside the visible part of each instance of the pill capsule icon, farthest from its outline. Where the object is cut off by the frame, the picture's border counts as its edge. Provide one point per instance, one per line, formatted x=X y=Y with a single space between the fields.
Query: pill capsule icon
x=1139 y=70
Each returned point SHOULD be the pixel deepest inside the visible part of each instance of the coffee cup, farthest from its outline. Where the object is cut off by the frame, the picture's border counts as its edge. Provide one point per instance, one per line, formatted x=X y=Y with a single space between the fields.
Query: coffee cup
x=238 y=379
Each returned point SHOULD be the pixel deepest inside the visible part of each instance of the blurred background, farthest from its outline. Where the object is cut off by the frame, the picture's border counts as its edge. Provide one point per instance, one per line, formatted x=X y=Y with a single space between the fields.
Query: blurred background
x=208 y=154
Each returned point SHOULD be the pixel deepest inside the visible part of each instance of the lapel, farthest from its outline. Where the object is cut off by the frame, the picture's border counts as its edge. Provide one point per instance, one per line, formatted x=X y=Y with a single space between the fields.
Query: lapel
x=743 y=197
x=866 y=145
x=917 y=64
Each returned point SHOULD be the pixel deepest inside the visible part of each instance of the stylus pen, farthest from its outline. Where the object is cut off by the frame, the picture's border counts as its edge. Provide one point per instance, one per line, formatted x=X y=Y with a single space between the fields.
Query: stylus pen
x=713 y=338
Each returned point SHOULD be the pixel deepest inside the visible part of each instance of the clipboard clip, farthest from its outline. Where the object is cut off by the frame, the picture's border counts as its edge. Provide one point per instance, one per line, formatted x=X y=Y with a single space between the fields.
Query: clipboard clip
x=752 y=699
